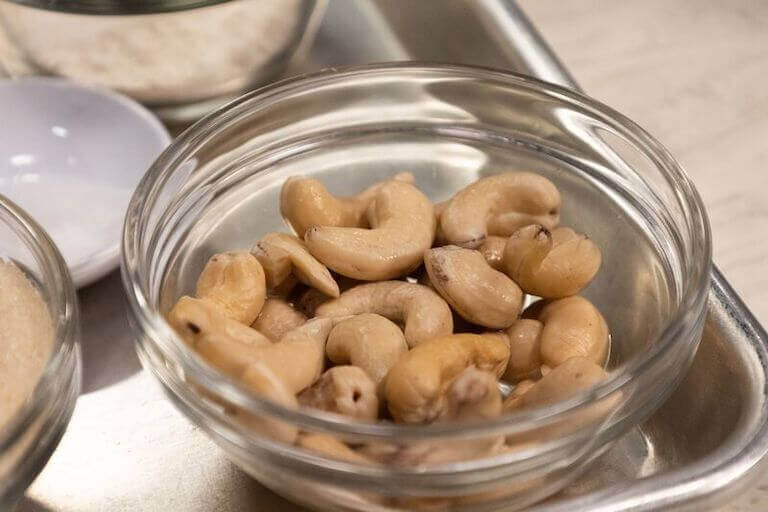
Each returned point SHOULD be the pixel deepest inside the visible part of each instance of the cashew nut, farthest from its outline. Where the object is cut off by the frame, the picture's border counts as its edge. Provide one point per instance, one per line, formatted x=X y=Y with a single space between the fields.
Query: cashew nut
x=573 y=376
x=282 y=254
x=524 y=350
x=369 y=341
x=277 y=317
x=477 y=292
x=416 y=387
x=233 y=281
x=493 y=251
x=473 y=395
x=429 y=453
x=552 y=264
x=402 y=228
x=344 y=390
x=305 y=202
x=330 y=446
x=423 y=312
x=499 y=205
x=263 y=381
x=572 y=327
x=223 y=342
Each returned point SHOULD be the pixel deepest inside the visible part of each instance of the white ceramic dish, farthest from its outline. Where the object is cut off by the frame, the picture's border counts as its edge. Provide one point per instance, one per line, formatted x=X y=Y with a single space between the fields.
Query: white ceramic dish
x=71 y=156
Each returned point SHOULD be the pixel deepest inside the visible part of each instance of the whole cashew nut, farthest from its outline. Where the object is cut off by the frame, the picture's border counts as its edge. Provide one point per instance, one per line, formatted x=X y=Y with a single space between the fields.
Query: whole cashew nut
x=263 y=381
x=344 y=390
x=277 y=318
x=402 y=228
x=223 y=342
x=493 y=251
x=233 y=281
x=330 y=446
x=305 y=202
x=552 y=264
x=473 y=395
x=499 y=205
x=425 y=314
x=368 y=341
x=282 y=254
x=416 y=387
x=524 y=350
x=572 y=327
x=477 y=292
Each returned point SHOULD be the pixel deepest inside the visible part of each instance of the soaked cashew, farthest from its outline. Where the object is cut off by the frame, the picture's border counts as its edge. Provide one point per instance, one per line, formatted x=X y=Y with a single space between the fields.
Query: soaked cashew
x=416 y=386
x=305 y=202
x=524 y=350
x=552 y=264
x=493 y=251
x=473 y=395
x=369 y=341
x=572 y=327
x=223 y=342
x=263 y=381
x=402 y=228
x=277 y=317
x=423 y=312
x=344 y=390
x=282 y=254
x=568 y=379
x=499 y=205
x=233 y=281
x=477 y=292
x=328 y=445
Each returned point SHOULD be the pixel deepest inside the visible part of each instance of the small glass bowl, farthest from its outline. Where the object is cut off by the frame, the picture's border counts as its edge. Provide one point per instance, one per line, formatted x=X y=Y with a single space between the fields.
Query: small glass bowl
x=217 y=188
x=29 y=438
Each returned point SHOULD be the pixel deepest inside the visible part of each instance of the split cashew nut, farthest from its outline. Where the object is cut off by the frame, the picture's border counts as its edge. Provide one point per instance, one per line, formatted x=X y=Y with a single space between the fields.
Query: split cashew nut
x=416 y=387
x=402 y=228
x=233 y=281
x=369 y=341
x=552 y=264
x=282 y=254
x=344 y=390
x=305 y=202
x=425 y=314
x=572 y=327
x=277 y=318
x=499 y=205
x=477 y=292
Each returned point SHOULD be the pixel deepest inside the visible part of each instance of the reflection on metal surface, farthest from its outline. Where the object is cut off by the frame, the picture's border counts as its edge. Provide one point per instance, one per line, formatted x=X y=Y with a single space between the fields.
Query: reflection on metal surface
x=127 y=448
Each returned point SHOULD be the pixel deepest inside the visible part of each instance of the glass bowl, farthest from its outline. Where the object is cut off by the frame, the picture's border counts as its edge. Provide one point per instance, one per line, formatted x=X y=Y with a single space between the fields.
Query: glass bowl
x=180 y=63
x=217 y=188
x=30 y=436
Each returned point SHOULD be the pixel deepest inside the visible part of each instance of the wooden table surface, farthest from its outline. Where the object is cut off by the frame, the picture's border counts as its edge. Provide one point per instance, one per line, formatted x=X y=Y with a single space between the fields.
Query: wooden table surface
x=693 y=73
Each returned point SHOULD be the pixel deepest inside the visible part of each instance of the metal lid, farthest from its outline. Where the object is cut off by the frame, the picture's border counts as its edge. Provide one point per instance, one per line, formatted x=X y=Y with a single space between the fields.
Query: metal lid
x=117 y=6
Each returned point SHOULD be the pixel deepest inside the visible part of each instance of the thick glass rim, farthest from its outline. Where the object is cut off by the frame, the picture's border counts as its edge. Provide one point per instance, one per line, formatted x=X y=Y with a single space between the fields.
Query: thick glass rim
x=64 y=312
x=136 y=275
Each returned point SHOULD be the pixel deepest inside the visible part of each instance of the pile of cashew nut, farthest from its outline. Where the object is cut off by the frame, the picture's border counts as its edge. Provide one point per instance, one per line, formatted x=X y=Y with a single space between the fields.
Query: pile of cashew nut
x=386 y=307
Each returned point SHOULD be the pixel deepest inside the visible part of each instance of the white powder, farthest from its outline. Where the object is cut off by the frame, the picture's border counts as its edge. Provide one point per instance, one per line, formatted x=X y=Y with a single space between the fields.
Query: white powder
x=26 y=338
x=160 y=58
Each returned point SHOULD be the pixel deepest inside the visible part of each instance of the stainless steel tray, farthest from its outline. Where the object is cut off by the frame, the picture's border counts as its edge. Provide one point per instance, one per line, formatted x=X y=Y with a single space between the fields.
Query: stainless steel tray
x=128 y=449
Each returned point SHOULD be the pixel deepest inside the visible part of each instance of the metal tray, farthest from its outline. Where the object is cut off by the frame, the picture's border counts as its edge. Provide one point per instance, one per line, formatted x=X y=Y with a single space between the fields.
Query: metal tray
x=128 y=449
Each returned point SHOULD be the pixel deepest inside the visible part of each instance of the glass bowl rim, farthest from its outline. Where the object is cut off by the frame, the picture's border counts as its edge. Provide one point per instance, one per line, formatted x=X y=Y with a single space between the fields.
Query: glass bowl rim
x=155 y=327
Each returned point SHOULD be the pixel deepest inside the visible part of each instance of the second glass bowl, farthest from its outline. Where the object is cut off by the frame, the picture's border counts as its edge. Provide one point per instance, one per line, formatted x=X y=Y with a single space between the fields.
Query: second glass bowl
x=31 y=435
x=216 y=188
